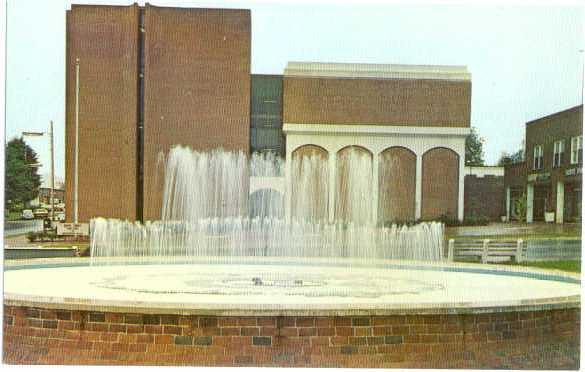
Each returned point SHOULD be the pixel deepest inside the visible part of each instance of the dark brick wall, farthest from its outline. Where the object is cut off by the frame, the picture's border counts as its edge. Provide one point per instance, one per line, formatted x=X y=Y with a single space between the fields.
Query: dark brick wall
x=440 y=183
x=484 y=197
x=397 y=185
x=105 y=39
x=404 y=102
x=197 y=86
x=515 y=175
x=546 y=339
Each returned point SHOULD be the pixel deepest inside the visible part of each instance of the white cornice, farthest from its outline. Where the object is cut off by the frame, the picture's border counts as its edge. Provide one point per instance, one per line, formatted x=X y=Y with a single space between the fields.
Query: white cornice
x=376 y=71
x=374 y=130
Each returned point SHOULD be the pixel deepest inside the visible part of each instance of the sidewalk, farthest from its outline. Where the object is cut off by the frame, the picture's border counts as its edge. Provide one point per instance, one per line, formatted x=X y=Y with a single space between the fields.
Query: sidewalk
x=18 y=241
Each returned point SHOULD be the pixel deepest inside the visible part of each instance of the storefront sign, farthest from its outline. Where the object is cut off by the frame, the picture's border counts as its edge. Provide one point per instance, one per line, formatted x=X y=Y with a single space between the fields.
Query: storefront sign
x=538 y=177
x=73 y=229
x=574 y=171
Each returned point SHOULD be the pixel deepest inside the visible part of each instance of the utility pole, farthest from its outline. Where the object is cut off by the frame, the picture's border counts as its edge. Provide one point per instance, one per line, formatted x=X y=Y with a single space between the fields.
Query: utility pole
x=76 y=184
x=52 y=173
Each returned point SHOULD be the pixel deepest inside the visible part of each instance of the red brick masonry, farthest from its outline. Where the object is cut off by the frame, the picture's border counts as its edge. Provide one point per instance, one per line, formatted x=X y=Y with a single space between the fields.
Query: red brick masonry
x=520 y=339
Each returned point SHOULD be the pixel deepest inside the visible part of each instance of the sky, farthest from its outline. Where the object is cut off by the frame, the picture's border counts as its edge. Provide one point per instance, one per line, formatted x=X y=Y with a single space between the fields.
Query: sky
x=526 y=61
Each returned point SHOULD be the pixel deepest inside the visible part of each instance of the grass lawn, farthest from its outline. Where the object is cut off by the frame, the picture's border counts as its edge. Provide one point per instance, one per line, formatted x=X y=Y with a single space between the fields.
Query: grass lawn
x=565 y=265
x=573 y=266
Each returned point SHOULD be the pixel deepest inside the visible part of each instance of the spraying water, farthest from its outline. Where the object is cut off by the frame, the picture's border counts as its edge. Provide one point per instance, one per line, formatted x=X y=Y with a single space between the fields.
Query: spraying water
x=208 y=212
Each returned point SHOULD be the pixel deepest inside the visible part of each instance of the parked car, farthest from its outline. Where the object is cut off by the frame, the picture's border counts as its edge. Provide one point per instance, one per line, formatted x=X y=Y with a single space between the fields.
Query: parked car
x=27 y=214
x=40 y=213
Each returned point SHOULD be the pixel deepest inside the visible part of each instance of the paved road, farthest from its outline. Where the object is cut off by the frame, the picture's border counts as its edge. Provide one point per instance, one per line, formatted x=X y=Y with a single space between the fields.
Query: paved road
x=13 y=228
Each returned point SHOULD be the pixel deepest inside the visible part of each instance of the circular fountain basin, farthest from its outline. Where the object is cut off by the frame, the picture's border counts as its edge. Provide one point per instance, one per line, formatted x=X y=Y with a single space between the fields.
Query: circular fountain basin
x=277 y=285
x=290 y=312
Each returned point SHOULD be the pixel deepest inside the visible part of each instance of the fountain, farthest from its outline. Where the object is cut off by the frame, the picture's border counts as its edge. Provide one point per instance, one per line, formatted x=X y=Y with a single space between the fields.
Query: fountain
x=205 y=214
x=225 y=278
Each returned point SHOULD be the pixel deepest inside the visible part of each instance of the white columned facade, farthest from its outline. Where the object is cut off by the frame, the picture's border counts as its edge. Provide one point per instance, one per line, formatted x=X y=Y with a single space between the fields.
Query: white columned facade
x=332 y=185
x=529 y=203
x=376 y=138
x=560 y=202
x=418 y=190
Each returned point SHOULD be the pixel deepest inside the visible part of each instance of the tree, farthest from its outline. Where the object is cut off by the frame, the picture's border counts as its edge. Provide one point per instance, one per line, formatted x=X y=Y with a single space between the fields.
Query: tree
x=520 y=206
x=474 y=149
x=22 y=179
x=513 y=158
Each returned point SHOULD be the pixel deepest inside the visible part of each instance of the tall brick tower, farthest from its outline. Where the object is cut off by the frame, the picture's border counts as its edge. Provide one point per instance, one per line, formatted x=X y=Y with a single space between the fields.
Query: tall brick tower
x=149 y=78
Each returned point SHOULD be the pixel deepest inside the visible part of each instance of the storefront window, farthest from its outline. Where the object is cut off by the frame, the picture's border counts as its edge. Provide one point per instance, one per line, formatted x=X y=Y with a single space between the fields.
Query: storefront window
x=559 y=150
x=538 y=158
x=576 y=150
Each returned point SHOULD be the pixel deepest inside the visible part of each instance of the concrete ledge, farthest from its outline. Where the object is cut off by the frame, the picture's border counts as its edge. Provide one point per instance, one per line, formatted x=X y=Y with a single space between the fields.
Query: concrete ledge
x=374 y=130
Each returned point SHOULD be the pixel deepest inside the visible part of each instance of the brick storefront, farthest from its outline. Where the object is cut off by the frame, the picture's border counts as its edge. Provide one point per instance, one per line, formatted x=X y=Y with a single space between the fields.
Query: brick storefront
x=527 y=339
x=551 y=184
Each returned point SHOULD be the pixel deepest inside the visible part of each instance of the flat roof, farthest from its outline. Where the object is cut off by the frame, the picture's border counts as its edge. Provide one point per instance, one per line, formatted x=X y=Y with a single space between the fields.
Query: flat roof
x=558 y=113
x=376 y=71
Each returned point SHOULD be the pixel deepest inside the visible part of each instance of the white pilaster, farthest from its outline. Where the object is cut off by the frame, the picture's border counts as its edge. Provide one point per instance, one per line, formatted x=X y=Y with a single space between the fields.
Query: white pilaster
x=375 y=187
x=418 y=188
x=508 y=204
x=529 y=203
x=461 y=199
x=332 y=185
x=560 y=202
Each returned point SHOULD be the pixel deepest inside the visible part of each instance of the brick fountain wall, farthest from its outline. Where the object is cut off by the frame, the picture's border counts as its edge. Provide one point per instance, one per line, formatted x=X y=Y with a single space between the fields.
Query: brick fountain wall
x=517 y=339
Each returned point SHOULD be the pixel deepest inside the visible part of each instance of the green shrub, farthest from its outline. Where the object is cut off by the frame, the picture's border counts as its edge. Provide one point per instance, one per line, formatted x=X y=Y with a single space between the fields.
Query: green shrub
x=42 y=236
x=520 y=207
x=32 y=236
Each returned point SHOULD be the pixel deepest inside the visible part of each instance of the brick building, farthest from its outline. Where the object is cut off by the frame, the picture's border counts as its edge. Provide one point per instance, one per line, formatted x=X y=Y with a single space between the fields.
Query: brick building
x=411 y=120
x=153 y=77
x=484 y=192
x=105 y=40
x=150 y=77
x=550 y=179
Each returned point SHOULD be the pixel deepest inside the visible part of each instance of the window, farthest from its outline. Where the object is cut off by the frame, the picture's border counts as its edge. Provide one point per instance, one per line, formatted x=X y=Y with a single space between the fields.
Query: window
x=559 y=151
x=576 y=150
x=538 y=158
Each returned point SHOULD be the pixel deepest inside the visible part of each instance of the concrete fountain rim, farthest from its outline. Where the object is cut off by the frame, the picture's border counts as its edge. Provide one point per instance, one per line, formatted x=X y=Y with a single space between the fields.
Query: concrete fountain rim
x=238 y=309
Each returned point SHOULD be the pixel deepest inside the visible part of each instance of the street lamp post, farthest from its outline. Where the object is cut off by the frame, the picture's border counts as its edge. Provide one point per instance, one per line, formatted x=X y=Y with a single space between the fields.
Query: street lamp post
x=76 y=184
